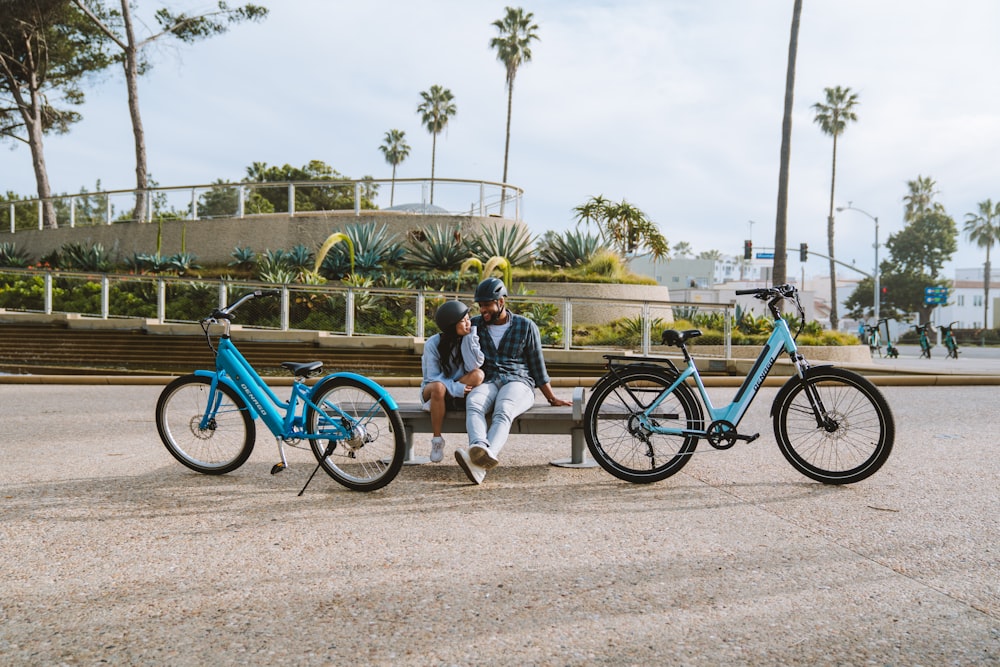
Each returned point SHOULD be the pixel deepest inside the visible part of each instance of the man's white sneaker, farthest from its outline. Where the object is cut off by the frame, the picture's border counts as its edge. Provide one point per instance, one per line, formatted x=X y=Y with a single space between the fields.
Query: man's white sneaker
x=437 y=449
x=475 y=473
x=482 y=457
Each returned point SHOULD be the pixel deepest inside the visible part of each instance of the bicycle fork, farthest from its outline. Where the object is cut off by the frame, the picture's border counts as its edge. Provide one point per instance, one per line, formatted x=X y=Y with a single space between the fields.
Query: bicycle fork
x=823 y=419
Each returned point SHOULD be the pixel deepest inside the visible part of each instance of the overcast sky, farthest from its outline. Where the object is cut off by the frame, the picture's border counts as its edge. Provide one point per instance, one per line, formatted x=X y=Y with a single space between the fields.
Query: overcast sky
x=674 y=105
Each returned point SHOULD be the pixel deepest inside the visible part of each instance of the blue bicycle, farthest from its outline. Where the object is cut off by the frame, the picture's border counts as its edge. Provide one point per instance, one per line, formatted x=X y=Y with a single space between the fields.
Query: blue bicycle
x=643 y=420
x=207 y=419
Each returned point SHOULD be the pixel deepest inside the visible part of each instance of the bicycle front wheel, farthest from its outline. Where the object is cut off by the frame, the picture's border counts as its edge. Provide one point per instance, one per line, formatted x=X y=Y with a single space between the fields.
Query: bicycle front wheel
x=210 y=432
x=364 y=443
x=853 y=438
x=616 y=437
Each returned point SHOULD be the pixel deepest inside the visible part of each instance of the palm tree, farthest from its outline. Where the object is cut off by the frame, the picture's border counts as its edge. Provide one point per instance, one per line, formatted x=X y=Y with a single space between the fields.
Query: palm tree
x=513 y=47
x=435 y=111
x=984 y=231
x=683 y=249
x=832 y=116
x=395 y=149
x=623 y=226
x=921 y=198
x=781 y=217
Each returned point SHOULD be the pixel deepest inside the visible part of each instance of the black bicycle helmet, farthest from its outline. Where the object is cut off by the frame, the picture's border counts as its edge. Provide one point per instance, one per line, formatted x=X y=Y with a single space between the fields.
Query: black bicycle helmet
x=491 y=289
x=449 y=314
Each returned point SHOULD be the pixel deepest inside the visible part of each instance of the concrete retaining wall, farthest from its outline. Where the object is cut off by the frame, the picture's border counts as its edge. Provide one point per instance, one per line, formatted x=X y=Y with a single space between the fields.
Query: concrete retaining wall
x=213 y=241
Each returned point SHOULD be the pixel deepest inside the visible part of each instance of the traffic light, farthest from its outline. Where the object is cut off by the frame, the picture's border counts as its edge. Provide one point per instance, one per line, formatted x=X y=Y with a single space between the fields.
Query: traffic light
x=747 y=250
x=803 y=252
x=884 y=295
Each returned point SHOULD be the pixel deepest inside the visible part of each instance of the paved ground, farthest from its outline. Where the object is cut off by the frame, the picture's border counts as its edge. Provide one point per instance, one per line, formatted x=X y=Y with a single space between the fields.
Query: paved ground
x=114 y=553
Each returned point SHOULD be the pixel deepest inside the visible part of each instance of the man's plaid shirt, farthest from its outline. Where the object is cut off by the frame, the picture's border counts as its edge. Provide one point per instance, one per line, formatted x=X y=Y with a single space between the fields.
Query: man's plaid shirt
x=519 y=356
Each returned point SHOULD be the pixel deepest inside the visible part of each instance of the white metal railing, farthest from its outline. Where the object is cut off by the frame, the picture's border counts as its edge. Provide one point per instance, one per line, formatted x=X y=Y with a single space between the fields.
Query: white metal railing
x=236 y=200
x=337 y=309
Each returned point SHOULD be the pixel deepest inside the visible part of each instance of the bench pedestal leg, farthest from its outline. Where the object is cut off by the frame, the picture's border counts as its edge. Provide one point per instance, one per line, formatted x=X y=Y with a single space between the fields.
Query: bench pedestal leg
x=578 y=458
x=409 y=459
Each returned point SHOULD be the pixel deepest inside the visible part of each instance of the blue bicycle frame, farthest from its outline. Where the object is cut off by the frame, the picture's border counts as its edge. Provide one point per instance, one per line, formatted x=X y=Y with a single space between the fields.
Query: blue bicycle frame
x=283 y=418
x=780 y=341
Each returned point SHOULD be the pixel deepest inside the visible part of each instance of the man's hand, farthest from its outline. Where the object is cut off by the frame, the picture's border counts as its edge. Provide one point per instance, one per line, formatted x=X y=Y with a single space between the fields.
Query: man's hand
x=555 y=400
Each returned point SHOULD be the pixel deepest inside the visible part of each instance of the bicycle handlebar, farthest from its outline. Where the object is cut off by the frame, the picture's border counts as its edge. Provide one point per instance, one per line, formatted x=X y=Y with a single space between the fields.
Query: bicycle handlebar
x=785 y=290
x=227 y=312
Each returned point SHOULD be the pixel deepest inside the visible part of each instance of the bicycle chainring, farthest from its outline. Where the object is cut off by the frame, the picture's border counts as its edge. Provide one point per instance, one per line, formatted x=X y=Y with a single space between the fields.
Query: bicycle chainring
x=721 y=434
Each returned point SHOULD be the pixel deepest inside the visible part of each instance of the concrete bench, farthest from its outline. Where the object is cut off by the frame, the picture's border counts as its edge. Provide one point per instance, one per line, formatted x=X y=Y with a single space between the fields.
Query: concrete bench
x=539 y=420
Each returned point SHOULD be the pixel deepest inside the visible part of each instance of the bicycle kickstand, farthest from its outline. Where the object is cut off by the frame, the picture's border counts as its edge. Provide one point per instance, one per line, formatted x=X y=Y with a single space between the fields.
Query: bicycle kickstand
x=329 y=451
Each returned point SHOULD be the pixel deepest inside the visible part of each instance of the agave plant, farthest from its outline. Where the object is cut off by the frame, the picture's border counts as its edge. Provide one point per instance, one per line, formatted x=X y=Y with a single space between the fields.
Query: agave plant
x=11 y=255
x=85 y=257
x=513 y=242
x=573 y=248
x=183 y=262
x=244 y=259
x=375 y=250
x=440 y=250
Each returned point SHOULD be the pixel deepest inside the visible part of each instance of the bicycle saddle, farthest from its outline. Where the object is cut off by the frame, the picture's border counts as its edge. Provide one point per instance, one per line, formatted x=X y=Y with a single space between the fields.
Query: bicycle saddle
x=677 y=338
x=302 y=370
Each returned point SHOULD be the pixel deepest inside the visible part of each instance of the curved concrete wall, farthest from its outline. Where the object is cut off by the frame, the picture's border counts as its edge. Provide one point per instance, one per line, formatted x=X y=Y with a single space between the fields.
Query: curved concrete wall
x=603 y=312
x=213 y=241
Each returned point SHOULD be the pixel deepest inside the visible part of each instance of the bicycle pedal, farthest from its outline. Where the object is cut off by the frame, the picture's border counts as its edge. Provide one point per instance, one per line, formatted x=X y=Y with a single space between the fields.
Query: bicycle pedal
x=748 y=438
x=277 y=467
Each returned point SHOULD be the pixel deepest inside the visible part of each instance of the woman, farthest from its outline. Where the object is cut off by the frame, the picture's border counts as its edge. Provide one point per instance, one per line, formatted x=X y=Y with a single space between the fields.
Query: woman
x=451 y=368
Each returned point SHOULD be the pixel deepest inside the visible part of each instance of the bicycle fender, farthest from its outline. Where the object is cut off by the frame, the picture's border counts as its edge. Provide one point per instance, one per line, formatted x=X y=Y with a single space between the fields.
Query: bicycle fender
x=384 y=395
x=793 y=382
x=228 y=381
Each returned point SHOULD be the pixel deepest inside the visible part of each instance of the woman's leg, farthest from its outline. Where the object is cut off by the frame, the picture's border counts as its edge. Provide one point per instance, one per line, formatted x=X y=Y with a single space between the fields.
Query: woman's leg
x=435 y=393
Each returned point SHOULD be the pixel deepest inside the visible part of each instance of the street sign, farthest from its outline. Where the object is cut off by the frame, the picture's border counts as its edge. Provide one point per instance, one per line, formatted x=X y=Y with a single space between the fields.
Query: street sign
x=935 y=296
x=765 y=255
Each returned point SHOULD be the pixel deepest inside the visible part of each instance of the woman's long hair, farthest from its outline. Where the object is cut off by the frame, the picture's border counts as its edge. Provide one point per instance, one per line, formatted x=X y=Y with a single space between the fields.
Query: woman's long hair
x=449 y=344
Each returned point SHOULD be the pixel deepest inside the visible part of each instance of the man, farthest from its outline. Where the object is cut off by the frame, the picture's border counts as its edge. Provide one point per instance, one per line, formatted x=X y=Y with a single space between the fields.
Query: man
x=513 y=368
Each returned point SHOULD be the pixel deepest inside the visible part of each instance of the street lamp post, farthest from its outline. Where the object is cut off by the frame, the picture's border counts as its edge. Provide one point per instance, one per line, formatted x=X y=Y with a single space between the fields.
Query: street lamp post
x=877 y=271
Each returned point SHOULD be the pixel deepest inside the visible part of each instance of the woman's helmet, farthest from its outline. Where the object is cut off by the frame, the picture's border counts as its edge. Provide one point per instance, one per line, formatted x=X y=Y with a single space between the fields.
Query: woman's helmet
x=449 y=314
x=491 y=289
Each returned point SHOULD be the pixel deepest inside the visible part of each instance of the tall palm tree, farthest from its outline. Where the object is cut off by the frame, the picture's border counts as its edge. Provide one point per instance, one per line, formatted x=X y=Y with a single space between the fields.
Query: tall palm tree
x=395 y=149
x=435 y=111
x=921 y=198
x=513 y=47
x=832 y=116
x=781 y=217
x=983 y=230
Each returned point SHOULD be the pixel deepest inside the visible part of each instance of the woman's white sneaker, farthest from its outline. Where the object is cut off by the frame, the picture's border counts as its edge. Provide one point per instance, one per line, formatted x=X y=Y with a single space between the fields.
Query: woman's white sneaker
x=437 y=449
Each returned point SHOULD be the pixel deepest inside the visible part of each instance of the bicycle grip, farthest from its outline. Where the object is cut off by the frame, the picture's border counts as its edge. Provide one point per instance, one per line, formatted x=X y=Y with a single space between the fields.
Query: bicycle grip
x=747 y=291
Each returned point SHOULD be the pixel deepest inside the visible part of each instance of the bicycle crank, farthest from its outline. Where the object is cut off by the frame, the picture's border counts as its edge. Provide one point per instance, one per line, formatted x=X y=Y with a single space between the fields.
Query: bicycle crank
x=722 y=434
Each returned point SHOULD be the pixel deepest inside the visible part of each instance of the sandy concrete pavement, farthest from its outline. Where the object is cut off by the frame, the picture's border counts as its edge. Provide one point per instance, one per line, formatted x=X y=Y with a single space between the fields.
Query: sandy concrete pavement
x=115 y=553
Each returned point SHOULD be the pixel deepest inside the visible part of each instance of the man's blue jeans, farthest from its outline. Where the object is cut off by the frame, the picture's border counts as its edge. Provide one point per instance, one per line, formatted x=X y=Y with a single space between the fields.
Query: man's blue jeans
x=507 y=402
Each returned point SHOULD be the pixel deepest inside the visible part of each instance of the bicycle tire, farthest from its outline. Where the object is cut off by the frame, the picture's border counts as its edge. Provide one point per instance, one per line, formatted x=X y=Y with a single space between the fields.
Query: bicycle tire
x=854 y=446
x=614 y=436
x=373 y=456
x=222 y=447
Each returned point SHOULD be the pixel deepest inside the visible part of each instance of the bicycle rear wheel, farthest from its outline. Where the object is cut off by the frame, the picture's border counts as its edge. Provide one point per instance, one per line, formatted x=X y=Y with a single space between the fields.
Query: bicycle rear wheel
x=366 y=443
x=617 y=440
x=856 y=438
x=227 y=439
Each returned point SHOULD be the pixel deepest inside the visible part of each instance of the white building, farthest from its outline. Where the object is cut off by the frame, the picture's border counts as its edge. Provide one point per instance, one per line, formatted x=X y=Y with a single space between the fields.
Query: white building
x=965 y=301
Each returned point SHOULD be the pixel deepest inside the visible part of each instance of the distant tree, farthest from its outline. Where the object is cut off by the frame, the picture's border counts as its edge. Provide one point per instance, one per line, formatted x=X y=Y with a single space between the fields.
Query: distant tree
x=435 y=111
x=917 y=255
x=337 y=196
x=832 y=116
x=983 y=230
x=119 y=28
x=682 y=249
x=623 y=226
x=47 y=47
x=516 y=31
x=781 y=217
x=709 y=254
x=395 y=149
x=920 y=198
